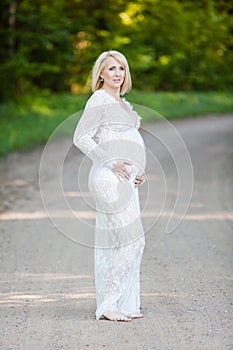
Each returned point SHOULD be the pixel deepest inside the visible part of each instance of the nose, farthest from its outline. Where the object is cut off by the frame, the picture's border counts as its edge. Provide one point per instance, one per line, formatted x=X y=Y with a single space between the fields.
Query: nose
x=118 y=71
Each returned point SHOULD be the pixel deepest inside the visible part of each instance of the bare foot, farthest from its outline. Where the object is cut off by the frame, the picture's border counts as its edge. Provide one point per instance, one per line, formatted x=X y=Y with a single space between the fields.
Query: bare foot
x=116 y=316
x=136 y=316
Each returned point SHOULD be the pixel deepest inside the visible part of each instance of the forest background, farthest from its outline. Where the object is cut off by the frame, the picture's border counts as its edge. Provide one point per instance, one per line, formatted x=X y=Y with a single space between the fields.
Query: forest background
x=179 y=52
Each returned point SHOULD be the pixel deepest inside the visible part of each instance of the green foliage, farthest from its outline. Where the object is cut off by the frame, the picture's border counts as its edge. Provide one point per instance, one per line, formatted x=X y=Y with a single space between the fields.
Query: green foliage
x=36 y=47
x=184 y=104
x=186 y=46
x=30 y=120
x=170 y=44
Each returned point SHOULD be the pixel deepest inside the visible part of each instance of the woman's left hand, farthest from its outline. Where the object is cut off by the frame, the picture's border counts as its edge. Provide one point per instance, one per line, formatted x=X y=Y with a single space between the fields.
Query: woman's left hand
x=139 y=179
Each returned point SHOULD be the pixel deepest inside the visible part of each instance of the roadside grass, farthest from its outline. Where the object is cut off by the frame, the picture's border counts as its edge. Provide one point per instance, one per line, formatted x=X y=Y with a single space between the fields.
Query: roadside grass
x=173 y=105
x=30 y=121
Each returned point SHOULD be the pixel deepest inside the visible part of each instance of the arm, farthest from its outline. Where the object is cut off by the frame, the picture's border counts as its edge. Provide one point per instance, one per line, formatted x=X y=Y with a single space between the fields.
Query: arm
x=98 y=112
x=86 y=129
x=90 y=148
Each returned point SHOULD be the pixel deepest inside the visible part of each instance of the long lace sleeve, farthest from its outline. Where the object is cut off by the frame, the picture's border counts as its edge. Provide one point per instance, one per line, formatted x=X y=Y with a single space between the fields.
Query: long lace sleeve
x=88 y=126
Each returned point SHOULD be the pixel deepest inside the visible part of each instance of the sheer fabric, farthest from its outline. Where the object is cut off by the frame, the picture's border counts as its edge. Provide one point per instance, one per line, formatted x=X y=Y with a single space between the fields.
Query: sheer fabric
x=107 y=132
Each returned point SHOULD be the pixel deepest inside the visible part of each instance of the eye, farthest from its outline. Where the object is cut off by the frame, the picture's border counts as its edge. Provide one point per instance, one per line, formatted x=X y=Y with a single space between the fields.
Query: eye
x=114 y=67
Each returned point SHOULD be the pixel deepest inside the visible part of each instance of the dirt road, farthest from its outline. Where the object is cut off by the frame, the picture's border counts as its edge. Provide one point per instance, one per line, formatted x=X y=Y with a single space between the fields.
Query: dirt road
x=47 y=280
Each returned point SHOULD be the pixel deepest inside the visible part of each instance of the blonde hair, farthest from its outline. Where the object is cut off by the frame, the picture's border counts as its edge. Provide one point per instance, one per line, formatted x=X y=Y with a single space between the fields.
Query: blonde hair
x=100 y=65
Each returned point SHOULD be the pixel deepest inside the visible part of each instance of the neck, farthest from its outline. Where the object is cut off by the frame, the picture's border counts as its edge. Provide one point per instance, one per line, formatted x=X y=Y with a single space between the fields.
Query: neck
x=114 y=92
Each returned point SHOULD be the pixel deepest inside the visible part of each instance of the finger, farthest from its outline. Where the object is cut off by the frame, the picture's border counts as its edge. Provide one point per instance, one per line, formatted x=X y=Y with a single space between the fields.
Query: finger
x=125 y=173
x=138 y=179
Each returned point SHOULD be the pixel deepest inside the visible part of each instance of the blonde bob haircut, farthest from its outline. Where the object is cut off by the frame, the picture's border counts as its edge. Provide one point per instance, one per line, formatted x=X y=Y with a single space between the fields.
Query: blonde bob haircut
x=100 y=65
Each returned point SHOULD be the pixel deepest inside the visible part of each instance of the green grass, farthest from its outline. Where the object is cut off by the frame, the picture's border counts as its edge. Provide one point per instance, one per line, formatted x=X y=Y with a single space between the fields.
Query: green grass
x=184 y=104
x=31 y=120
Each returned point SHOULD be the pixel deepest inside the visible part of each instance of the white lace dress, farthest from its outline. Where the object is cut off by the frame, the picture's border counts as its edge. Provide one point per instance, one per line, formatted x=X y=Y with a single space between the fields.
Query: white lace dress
x=107 y=132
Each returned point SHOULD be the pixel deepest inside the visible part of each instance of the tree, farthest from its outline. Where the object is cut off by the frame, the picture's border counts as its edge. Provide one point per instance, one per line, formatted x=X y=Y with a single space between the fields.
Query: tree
x=170 y=44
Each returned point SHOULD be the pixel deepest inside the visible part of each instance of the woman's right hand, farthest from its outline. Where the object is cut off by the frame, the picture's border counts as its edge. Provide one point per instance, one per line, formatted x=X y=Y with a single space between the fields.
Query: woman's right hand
x=119 y=169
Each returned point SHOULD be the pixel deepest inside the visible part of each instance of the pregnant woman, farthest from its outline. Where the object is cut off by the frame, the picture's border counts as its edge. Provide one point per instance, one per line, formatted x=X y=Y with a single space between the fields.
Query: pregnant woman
x=108 y=134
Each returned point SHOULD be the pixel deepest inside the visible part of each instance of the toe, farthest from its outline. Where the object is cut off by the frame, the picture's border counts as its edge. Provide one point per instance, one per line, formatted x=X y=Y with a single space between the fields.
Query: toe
x=125 y=319
x=116 y=316
x=136 y=316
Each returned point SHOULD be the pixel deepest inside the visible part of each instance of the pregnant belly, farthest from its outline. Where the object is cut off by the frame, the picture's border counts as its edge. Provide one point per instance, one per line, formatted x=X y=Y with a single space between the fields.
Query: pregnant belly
x=132 y=150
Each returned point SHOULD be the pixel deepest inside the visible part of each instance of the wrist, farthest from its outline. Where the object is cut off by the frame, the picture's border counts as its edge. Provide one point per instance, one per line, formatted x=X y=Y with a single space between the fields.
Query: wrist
x=110 y=164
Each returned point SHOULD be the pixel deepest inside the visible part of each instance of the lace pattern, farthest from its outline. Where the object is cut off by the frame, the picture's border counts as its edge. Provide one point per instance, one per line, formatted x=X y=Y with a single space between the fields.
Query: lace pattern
x=107 y=131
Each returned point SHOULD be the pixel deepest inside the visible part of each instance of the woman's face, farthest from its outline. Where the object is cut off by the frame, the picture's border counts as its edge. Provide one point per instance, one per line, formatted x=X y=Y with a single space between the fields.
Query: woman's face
x=113 y=74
